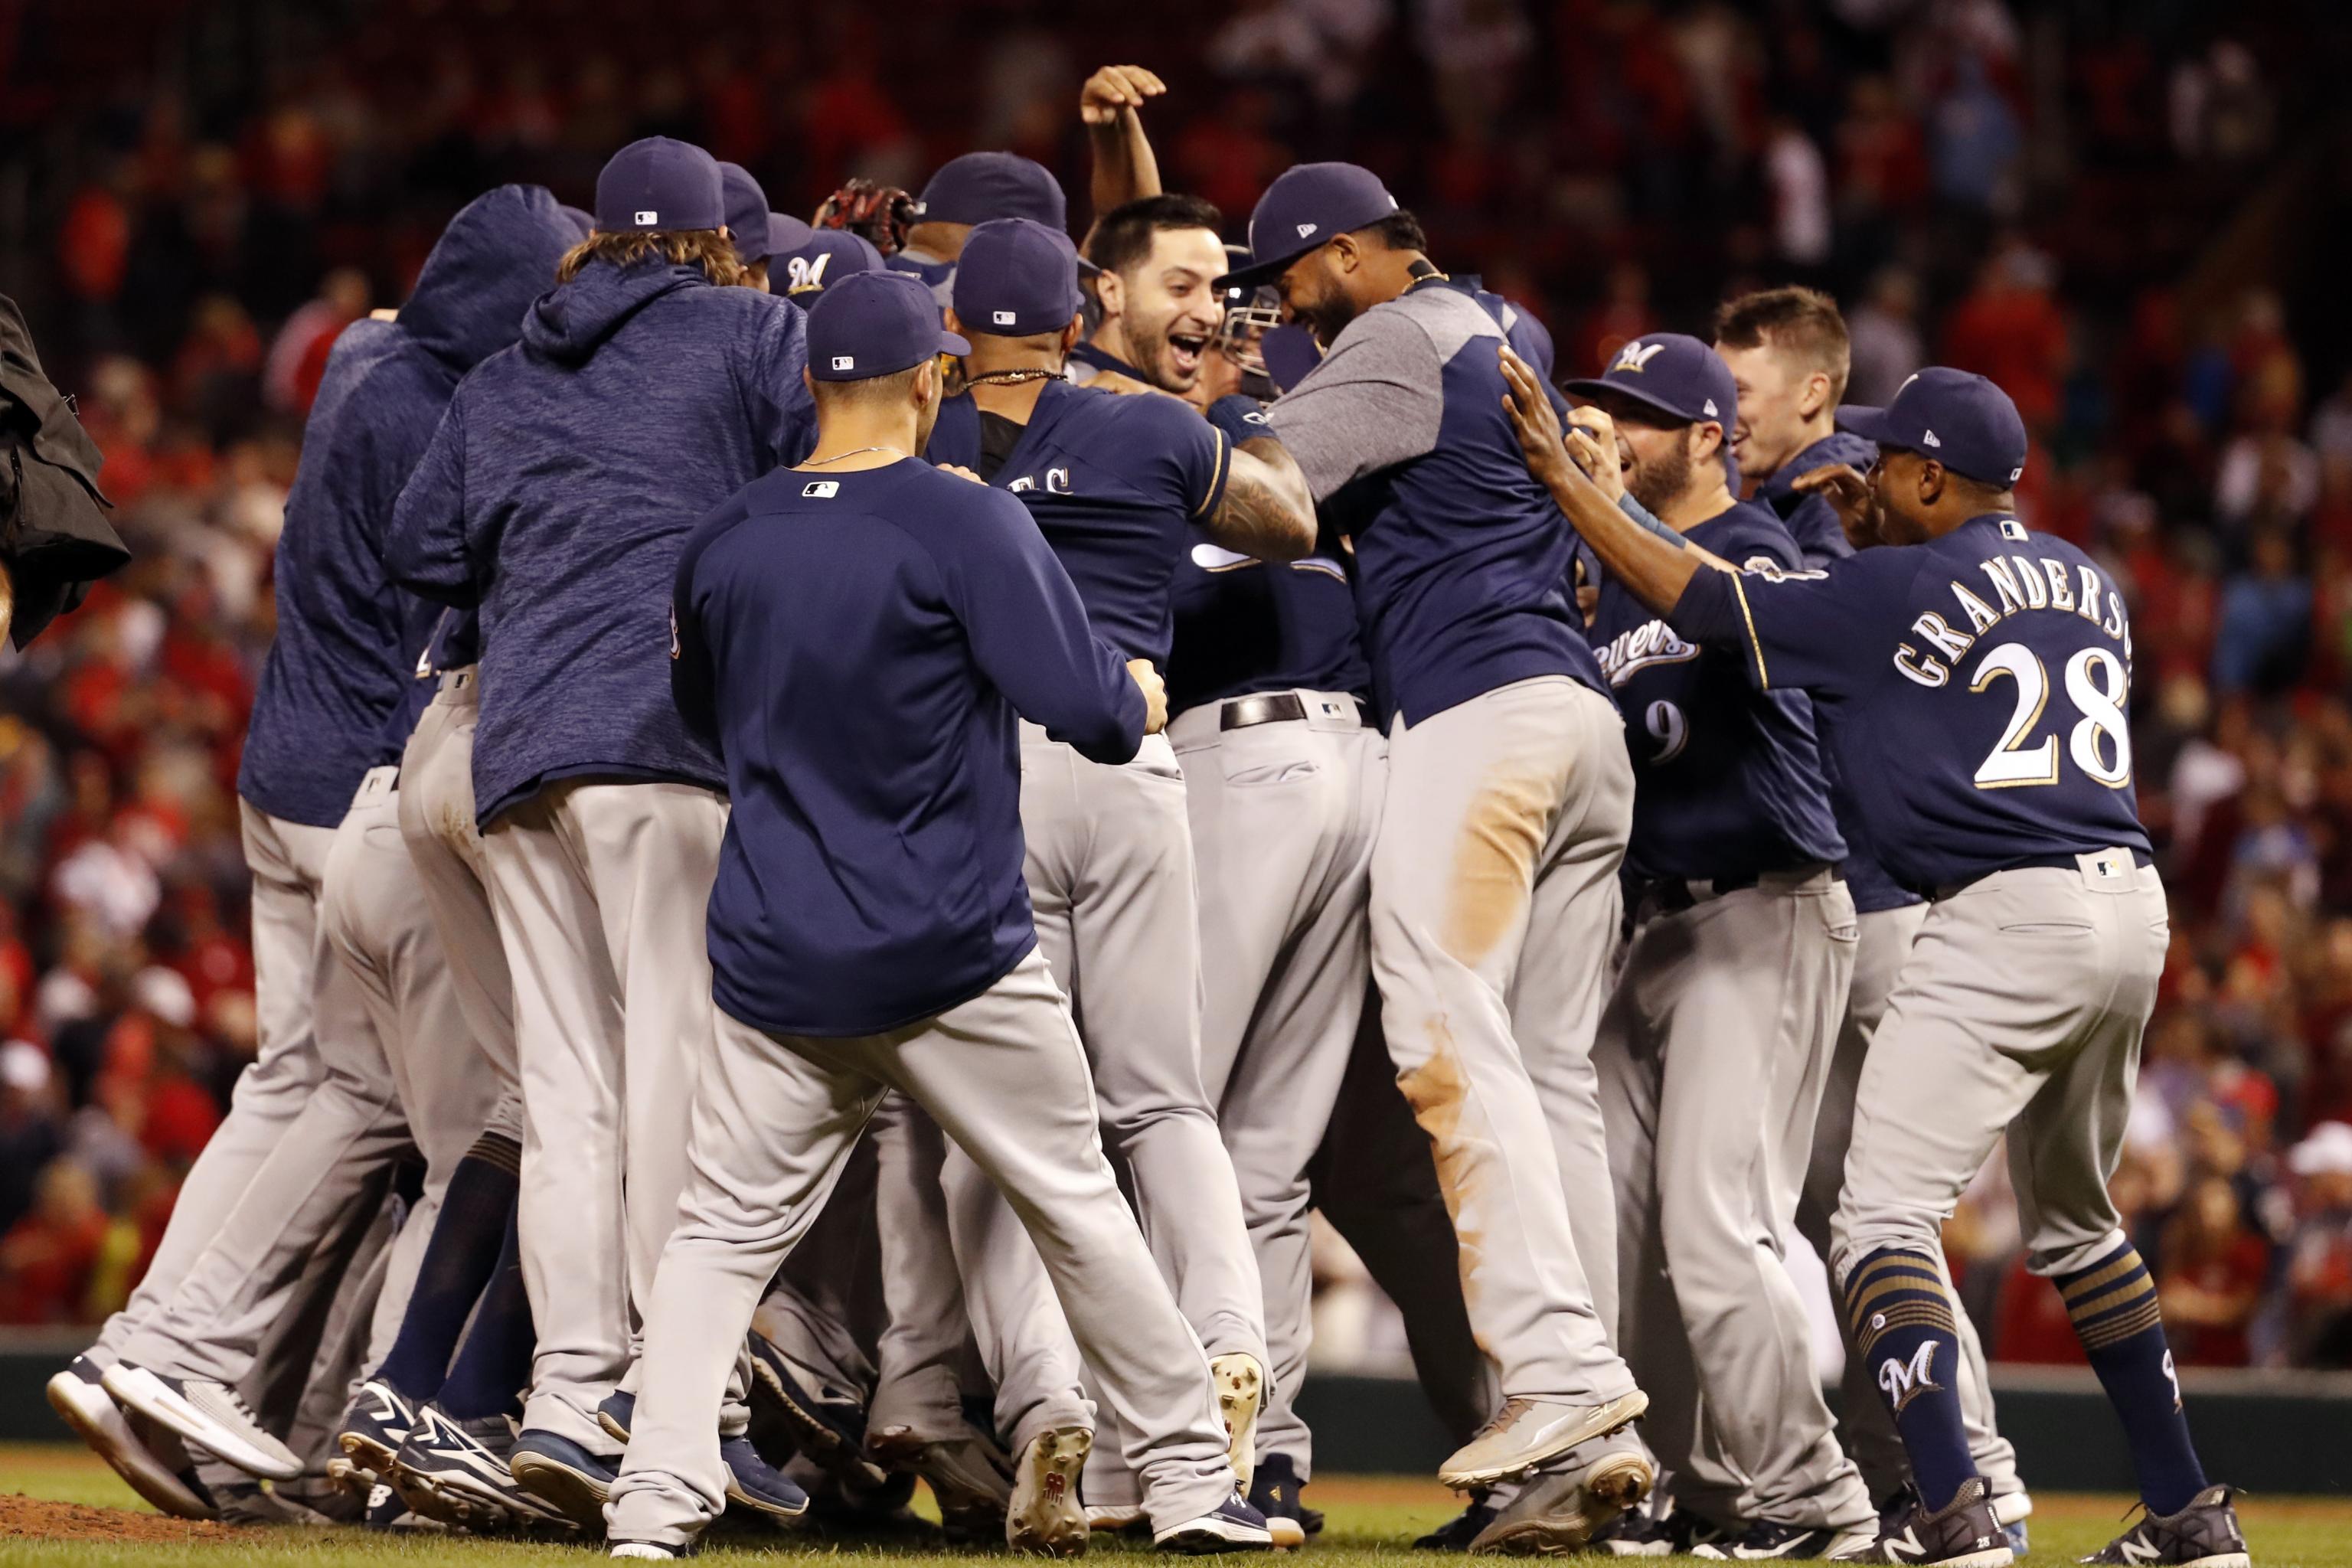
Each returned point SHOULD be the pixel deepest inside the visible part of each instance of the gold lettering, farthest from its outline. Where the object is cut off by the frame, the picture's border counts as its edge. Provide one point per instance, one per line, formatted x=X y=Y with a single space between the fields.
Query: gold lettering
x=2004 y=584
x=2037 y=596
x=1980 y=614
x=2090 y=595
x=1926 y=671
x=2062 y=589
x=1949 y=643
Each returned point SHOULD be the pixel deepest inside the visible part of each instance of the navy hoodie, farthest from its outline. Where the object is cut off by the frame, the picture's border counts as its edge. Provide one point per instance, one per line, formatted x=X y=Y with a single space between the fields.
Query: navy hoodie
x=1813 y=524
x=331 y=694
x=556 y=495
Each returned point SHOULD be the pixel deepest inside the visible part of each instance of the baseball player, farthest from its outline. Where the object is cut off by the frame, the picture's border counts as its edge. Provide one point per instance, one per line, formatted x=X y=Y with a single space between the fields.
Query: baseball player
x=1115 y=484
x=1977 y=673
x=554 y=496
x=1787 y=352
x=1715 y=1041
x=1282 y=778
x=869 y=927
x=821 y=256
x=403 y=1064
x=749 y=223
x=973 y=189
x=1493 y=878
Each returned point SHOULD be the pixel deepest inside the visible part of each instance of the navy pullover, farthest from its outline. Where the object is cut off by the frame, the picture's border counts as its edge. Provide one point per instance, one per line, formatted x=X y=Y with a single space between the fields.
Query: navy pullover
x=330 y=695
x=557 y=492
x=857 y=645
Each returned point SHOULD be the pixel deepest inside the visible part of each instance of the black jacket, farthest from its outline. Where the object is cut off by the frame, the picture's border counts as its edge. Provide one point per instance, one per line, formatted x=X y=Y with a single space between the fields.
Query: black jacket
x=53 y=536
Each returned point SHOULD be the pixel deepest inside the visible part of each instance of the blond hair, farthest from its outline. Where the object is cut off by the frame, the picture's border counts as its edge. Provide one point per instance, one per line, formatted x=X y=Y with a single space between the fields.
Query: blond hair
x=707 y=248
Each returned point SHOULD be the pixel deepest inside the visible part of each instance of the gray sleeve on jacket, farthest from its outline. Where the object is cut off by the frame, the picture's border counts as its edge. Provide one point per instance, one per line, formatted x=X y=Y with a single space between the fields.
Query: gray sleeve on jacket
x=1374 y=402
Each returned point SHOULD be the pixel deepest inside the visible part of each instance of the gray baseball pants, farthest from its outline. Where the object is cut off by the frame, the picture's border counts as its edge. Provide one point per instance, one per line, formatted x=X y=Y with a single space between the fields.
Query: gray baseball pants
x=774 y=1122
x=334 y=1153
x=1713 y=1052
x=289 y=862
x=1494 y=910
x=1283 y=816
x=436 y=822
x=1109 y=868
x=600 y=891
x=2019 y=1011
x=1863 y=1423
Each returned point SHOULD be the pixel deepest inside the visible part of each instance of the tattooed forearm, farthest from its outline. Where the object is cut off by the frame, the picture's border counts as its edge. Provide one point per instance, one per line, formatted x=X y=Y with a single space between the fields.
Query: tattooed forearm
x=1266 y=511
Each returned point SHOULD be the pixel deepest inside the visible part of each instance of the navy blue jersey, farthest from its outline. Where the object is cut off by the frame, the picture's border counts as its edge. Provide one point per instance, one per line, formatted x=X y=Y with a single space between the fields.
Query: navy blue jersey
x=1115 y=484
x=858 y=644
x=1244 y=625
x=1821 y=538
x=1972 y=689
x=1461 y=557
x=1728 y=780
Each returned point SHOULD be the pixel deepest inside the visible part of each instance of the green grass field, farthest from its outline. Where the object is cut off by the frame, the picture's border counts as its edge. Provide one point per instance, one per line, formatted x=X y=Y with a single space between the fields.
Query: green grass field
x=1374 y=1519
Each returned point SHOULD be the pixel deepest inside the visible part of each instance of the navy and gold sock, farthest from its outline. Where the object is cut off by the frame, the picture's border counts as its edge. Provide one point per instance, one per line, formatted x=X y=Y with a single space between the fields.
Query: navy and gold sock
x=2113 y=1304
x=1903 y=1328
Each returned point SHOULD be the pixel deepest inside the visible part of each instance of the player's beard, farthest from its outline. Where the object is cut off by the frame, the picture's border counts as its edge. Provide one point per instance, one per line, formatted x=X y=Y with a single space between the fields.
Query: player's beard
x=1150 y=351
x=1658 y=482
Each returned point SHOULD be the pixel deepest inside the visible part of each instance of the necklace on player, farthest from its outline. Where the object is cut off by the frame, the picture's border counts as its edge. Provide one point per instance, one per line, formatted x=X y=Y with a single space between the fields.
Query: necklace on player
x=1011 y=377
x=854 y=451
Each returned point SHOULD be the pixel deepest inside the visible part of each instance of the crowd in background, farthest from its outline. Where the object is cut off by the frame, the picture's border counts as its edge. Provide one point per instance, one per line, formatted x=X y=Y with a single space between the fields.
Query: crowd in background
x=215 y=191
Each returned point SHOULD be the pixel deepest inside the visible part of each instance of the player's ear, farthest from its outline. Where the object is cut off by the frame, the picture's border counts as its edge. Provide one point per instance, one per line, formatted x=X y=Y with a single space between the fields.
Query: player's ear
x=1345 y=254
x=809 y=381
x=1931 y=482
x=1816 y=394
x=1073 y=333
x=1111 y=290
x=954 y=322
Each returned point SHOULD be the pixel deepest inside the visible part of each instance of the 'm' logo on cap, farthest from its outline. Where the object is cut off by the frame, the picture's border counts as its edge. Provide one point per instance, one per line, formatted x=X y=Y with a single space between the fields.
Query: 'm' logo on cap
x=1636 y=356
x=844 y=362
x=1001 y=318
x=648 y=218
x=823 y=489
x=1305 y=229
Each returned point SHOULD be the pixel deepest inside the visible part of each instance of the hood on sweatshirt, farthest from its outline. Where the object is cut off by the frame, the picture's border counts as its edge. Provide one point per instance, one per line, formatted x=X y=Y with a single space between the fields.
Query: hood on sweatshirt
x=497 y=254
x=1838 y=447
x=569 y=324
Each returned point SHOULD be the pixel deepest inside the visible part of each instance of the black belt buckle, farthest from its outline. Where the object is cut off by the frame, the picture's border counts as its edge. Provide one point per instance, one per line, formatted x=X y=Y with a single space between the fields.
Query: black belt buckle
x=1263 y=708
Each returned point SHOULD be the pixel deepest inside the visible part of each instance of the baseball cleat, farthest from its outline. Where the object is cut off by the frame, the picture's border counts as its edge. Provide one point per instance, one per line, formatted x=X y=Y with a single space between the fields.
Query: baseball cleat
x=1526 y=1434
x=1241 y=1394
x=387 y=1509
x=211 y=1416
x=969 y=1476
x=1274 y=1493
x=457 y=1471
x=1235 y=1526
x=1114 y=1517
x=1963 y=1533
x=373 y=1430
x=1044 y=1516
x=1558 y=1510
x=1764 y=1538
x=753 y=1483
x=561 y=1473
x=827 y=1423
x=2012 y=1509
x=650 y=1551
x=1456 y=1534
x=2205 y=1533
x=158 y=1470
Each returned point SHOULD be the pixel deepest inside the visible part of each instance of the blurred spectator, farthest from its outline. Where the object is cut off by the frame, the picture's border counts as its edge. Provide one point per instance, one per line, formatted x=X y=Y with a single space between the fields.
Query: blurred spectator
x=2265 y=627
x=2209 y=1277
x=50 y=1258
x=2319 y=1267
x=1885 y=334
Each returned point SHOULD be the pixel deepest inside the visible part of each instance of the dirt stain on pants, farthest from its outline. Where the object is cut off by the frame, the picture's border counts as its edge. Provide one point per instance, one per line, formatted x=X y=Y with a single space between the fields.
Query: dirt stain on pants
x=1495 y=865
x=1439 y=1092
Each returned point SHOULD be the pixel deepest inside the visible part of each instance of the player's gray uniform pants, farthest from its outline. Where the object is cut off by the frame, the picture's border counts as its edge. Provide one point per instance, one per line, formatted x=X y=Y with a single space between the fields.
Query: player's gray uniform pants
x=1863 y=1423
x=600 y=890
x=436 y=822
x=289 y=862
x=776 y=1116
x=1284 y=814
x=1494 y=910
x=2019 y=1010
x=1713 y=1051
x=1109 y=868
x=328 y=1159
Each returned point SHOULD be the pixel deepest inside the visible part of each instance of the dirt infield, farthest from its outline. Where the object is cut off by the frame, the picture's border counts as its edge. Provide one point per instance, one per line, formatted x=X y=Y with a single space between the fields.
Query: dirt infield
x=26 y=1518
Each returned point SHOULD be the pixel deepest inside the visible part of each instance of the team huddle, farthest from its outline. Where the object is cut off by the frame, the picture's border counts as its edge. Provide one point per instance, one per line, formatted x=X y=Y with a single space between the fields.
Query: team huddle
x=884 y=808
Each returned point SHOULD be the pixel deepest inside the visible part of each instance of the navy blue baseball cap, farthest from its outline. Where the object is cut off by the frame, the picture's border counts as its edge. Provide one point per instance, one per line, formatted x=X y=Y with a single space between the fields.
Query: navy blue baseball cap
x=982 y=187
x=786 y=234
x=1961 y=420
x=825 y=256
x=747 y=212
x=660 y=183
x=1302 y=210
x=1016 y=278
x=876 y=323
x=1681 y=378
